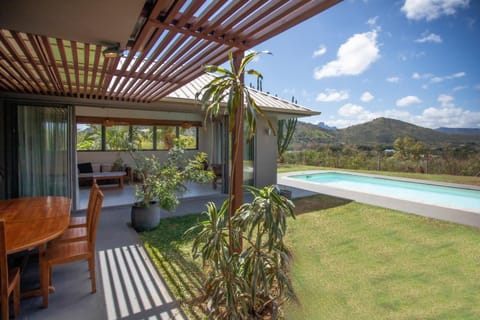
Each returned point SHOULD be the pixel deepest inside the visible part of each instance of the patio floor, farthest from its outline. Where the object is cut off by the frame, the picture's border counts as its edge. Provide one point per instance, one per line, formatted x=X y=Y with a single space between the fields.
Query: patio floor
x=128 y=285
x=126 y=196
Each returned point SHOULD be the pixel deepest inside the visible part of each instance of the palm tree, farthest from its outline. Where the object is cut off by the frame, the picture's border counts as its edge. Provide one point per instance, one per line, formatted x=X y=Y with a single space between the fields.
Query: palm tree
x=244 y=281
x=228 y=89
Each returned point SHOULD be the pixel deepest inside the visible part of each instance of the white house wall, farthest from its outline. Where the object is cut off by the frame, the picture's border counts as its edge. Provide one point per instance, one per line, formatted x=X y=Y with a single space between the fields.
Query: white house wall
x=265 y=154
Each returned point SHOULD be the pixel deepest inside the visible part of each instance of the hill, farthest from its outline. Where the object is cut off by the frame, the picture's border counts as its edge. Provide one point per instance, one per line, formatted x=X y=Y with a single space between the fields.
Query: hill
x=381 y=131
x=308 y=135
x=468 y=131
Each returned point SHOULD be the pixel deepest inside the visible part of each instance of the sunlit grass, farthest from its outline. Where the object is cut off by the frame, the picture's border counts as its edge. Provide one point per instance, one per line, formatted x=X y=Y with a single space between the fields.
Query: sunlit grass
x=355 y=261
x=170 y=250
x=350 y=261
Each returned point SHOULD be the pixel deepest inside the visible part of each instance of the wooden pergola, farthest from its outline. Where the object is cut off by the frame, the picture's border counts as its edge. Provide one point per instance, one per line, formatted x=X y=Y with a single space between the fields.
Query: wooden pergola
x=167 y=47
x=58 y=48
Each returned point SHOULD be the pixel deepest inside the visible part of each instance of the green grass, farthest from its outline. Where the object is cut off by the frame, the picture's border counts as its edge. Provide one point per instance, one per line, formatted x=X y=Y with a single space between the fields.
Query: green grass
x=351 y=261
x=170 y=250
x=282 y=168
x=285 y=167
x=354 y=261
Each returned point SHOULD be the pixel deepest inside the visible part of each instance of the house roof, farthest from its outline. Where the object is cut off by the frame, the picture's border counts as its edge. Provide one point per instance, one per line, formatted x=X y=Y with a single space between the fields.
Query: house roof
x=54 y=47
x=265 y=101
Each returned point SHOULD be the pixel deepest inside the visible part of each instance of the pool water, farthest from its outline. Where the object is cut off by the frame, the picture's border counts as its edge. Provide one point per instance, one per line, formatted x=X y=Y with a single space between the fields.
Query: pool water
x=458 y=198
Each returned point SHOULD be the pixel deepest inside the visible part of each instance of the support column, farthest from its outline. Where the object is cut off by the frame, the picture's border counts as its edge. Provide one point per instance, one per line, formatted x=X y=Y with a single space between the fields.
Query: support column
x=237 y=145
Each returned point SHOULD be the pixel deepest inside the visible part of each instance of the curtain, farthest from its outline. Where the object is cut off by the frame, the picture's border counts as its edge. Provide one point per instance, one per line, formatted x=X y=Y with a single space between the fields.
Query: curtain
x=43 y=162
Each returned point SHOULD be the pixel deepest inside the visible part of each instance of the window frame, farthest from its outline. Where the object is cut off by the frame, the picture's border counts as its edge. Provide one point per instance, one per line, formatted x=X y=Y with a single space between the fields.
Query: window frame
x=137 y=122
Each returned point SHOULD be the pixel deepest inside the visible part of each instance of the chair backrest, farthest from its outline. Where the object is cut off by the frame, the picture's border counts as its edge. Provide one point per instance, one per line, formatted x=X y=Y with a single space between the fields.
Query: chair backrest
x=3 y=261
x=91 y=201
x=92 y=230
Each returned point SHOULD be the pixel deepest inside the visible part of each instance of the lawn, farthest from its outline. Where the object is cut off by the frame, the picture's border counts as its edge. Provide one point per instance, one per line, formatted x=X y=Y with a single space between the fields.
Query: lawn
x=352 y=261
x=355 y=261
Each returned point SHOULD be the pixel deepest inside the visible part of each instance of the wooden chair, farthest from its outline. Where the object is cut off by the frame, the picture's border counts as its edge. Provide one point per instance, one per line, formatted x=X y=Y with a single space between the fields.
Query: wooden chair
x=81 y=221
x=79 y=232
x=9 y=279
x=65 y=252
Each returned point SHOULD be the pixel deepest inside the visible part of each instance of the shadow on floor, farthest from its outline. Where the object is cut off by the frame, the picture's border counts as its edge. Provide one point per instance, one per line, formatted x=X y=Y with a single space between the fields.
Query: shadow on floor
x=128 y=285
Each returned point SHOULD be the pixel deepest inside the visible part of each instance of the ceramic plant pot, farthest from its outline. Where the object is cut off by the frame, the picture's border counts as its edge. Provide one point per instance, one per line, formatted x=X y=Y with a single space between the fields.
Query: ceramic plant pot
x=145 y=218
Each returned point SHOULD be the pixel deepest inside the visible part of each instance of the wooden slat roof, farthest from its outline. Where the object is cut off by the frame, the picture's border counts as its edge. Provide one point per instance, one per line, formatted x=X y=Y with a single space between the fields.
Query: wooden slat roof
x=177 y=37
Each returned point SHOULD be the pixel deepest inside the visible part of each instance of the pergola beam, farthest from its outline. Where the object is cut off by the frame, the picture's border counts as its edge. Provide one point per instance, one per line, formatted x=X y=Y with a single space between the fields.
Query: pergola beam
x=177 y=38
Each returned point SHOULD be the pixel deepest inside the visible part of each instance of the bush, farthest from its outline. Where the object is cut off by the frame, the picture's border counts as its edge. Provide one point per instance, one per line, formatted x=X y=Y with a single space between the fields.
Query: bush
x=251 y=281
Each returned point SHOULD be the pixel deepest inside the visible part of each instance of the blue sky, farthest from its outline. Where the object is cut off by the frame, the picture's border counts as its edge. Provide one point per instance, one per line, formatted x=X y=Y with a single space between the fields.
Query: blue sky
x=412 y=60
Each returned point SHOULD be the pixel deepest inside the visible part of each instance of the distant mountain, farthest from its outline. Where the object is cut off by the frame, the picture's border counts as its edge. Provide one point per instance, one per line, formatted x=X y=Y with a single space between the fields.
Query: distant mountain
x=469 y=131
x=323 y=125
x=381 y=131
x=309 y=135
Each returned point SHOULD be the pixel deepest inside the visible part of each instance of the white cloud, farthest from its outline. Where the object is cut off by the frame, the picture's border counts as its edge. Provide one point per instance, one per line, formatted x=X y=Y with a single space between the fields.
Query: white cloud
x=367 y=97
x=418 y=76
x=320 y=52
x=408 y=101
x=393 y=79
x=432 y=37
x=477 y=87
x=447 y=114
x=350 y=110
x=458 y=88
x=353 y=57
x=449 y=77
x=331 y=95
x=446 y=101
x=372 y=21
x=432 y=9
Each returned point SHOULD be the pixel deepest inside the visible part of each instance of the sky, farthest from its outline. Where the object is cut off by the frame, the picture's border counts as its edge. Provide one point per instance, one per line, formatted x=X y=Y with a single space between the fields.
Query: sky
x=413 y=60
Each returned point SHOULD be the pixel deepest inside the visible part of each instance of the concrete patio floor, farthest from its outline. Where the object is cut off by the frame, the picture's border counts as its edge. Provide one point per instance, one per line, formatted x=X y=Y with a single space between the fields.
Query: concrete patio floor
x=128 y=285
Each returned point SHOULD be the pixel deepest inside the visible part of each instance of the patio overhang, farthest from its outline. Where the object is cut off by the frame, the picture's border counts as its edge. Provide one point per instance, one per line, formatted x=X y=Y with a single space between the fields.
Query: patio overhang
x=54 y=48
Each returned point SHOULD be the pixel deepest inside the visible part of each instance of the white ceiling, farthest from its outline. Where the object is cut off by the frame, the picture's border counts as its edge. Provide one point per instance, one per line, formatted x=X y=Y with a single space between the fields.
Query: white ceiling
x=89 y=21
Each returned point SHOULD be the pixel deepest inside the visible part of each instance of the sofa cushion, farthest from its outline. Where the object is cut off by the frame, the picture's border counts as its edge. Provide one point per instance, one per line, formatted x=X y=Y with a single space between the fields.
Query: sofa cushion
x=85 y=167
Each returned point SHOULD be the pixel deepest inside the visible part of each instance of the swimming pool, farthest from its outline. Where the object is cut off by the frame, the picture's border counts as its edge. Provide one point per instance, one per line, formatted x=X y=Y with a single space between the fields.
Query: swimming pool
x=450 y=197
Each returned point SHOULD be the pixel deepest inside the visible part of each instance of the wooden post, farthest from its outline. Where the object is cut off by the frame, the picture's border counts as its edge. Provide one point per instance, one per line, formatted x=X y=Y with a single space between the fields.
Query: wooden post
x=236 y=182
x=237 y=145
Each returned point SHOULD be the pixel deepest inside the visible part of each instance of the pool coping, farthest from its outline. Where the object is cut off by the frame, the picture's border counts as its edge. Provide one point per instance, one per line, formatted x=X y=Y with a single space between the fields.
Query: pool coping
x=464 y=217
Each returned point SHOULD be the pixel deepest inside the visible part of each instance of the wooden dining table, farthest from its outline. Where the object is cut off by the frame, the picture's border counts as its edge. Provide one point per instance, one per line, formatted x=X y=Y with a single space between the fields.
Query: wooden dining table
x=32 y=222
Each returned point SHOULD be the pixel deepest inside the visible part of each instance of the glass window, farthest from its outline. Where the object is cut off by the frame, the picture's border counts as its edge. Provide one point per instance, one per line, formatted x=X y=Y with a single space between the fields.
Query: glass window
x=165 y=137
x=89 y=136
x=142 y=137
x=189 y=135
x=117 y=137
x=121 y=136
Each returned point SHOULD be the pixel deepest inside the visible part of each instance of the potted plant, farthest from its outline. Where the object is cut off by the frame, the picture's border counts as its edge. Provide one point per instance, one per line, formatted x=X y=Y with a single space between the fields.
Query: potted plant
x=162 y=183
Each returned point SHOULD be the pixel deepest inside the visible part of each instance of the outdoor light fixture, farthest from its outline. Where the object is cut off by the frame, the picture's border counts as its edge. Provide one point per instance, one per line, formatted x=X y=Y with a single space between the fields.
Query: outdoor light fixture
x=112 y=51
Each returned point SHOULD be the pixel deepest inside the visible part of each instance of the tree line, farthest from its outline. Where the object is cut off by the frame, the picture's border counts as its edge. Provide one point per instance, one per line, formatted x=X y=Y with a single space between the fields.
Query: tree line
x=405 y=155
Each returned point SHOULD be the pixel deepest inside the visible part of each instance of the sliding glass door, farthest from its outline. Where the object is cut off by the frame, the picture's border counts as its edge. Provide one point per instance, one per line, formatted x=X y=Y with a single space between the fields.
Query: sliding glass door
x=43 y=151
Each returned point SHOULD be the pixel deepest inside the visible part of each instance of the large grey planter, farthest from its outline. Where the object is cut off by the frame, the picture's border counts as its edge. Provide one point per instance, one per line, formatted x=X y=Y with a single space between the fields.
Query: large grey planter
x=145 y=218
